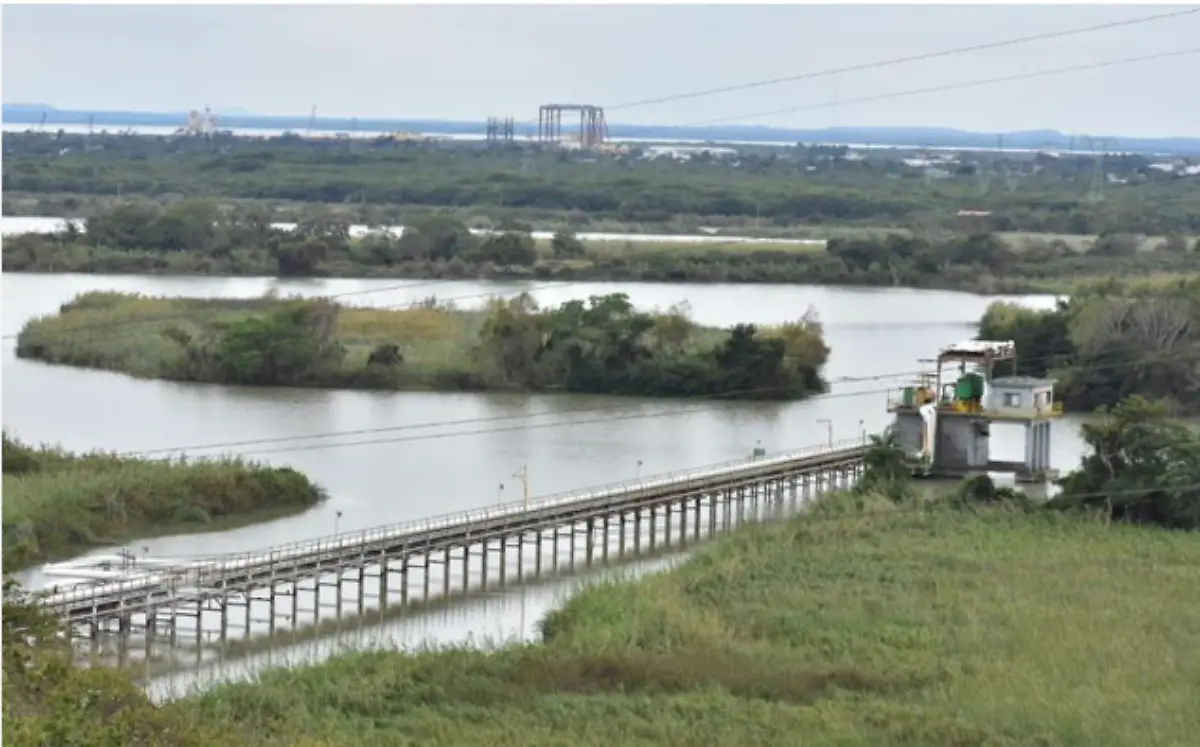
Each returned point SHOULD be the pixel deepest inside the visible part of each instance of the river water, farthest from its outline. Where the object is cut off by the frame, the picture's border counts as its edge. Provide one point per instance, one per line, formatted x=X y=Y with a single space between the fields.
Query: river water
x=475 y=443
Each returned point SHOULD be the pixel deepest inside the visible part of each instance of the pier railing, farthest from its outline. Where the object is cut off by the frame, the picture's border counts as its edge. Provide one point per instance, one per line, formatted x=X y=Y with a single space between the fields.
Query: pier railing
x=196 y=572
x=365 y=537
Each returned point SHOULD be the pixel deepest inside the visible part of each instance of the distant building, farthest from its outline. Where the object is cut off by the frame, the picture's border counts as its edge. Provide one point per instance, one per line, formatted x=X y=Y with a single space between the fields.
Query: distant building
x=684 y=152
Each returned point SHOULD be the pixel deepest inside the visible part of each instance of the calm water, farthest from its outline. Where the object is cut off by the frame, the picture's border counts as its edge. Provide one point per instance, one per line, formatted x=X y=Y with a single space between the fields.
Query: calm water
x=417 y=472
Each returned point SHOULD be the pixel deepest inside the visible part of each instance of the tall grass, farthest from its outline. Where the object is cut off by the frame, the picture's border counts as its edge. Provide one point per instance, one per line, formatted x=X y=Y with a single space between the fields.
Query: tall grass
x=58 y=504
x=900 y=627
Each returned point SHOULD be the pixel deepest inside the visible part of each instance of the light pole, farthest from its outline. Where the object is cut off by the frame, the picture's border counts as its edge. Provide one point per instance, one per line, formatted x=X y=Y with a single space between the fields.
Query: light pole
x=639 y=470
x=500 y=495
x=337 y=518
x=523 y=476
x=829 y=426
x=862 y=431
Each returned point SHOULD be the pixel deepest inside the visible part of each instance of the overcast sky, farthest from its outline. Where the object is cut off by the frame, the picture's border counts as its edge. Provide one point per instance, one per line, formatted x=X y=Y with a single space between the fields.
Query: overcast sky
x=469 y=62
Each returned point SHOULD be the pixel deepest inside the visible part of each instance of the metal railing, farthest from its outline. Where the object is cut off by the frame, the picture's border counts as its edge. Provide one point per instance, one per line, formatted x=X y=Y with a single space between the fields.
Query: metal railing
x=195 y=573
x=318 y=545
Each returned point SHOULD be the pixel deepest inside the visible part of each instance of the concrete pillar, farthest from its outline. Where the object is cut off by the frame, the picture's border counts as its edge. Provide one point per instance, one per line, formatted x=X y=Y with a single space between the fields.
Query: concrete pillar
x=503 y=558
x=521 y=557
x=556 y=532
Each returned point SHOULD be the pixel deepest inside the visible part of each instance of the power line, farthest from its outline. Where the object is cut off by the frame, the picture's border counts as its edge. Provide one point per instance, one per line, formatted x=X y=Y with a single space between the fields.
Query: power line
x=707 y=407
x=949 y=86
x=902 y=60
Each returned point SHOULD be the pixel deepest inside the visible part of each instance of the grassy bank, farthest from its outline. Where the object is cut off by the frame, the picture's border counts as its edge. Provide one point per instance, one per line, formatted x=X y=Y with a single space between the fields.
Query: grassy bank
x=879 y=626
x=603 y=346
x=58 y=504
x=936 y=629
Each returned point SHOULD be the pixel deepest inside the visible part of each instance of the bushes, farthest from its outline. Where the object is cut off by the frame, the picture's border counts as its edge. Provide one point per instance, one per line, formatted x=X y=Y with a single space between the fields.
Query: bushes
x=57 y=504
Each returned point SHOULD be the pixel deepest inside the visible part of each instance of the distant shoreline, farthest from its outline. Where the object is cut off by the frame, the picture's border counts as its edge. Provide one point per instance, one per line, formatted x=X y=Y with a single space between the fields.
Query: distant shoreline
x=860 y=137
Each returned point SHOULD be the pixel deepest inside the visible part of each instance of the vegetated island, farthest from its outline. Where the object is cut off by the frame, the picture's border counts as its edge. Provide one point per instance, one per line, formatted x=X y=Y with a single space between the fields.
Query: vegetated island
x=198 y=237
x=58 y=504
x=881 y=616
x=1109 y=340
x=601 y=346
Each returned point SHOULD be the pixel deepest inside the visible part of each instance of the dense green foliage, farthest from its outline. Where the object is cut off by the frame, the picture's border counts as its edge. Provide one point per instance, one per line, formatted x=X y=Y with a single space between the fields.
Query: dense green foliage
x=1111 y=340
x=1143 y=467
x=58 y=504
x=601 y=346
x=196 y=236
x=784 y=187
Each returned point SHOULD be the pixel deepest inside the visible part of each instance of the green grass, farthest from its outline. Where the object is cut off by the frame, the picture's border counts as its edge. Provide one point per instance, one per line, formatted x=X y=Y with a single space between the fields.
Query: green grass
x=58 y=504
x=896 y=628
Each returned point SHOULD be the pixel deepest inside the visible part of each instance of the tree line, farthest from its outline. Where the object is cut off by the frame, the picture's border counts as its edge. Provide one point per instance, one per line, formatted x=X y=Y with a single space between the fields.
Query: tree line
x=1112 y=339
x=788 y=187
x=198 y=236
x=601 y=346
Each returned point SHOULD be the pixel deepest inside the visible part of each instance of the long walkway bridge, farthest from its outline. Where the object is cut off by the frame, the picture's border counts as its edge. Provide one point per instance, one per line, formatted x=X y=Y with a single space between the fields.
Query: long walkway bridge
x=620 y=519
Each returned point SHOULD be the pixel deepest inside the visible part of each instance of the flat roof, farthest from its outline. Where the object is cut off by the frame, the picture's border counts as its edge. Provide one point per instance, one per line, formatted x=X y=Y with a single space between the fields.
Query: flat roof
x=1022 y=381
x=980 y=348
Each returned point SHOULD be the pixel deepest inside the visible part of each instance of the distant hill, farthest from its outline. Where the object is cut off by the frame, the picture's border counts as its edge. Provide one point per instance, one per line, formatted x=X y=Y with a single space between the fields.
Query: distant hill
x=894 y=136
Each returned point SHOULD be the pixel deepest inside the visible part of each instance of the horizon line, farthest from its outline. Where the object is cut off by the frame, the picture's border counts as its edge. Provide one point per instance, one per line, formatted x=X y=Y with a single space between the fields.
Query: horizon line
x=238 y=112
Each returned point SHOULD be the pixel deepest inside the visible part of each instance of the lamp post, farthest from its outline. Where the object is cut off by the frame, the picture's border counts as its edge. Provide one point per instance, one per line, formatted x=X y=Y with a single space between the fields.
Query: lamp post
x=523 y=476
x=638 y=474
x=337 y=518
x=862 y=430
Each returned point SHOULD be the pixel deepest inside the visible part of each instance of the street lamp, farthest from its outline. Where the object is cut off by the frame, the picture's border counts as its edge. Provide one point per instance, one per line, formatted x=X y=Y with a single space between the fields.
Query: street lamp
x=639 y=469
x=337 y=518
x=500 y=495
x=523 y=476
x=829 y=426
x=862 y=430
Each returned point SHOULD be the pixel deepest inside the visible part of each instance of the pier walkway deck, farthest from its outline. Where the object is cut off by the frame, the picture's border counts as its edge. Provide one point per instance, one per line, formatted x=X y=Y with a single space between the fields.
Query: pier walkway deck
x=149 y=597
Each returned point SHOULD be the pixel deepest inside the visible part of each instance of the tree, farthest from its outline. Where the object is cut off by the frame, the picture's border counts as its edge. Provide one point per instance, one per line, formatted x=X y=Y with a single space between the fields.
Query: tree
x=1110 y=244
x=566 y=246
x=439 y=237
x=507 y=249
x=673 y=328
x=1143 y=467
x=285 y=347
x=888 y=469
x=511 y=339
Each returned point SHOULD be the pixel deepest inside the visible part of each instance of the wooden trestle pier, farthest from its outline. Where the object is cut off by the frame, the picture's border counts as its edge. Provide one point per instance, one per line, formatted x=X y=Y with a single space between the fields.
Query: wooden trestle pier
x=641 y=515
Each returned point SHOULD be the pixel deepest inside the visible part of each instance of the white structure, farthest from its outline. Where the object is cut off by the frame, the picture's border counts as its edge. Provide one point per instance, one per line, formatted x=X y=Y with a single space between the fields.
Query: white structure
x=1020 y=396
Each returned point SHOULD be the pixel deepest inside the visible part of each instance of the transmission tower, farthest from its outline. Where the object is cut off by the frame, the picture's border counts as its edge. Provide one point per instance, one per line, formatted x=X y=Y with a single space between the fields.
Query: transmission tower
x=1099 y=147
